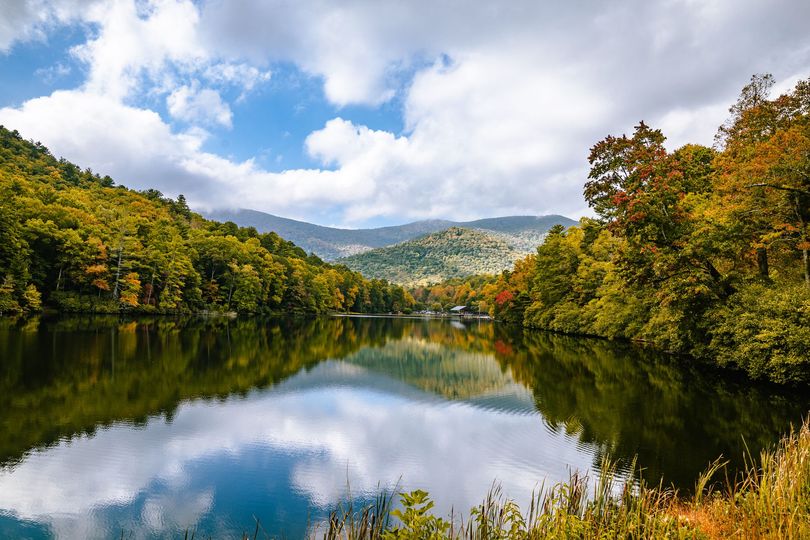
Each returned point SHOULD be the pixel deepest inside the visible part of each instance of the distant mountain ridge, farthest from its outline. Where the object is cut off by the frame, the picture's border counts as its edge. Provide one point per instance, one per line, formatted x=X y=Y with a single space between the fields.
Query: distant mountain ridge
x=523 y=233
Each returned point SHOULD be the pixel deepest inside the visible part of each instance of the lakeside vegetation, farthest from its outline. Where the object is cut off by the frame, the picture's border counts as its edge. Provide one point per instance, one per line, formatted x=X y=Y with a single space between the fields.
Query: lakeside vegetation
x=74 y=241
x=769 y=500
x=699 y=251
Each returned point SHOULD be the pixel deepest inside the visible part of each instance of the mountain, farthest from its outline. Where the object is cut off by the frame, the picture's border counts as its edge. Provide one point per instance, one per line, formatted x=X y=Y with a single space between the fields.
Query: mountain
x=74 y=241
x=453 y=252
x=522 y=232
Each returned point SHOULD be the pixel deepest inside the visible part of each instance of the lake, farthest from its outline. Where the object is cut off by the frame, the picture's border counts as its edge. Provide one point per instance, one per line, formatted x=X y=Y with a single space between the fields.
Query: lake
x=152 y=427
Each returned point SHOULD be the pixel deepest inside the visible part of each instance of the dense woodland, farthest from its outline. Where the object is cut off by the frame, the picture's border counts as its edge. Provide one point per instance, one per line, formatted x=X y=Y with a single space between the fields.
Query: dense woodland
x=75 y=241
x=437 y=256
x=702 y=251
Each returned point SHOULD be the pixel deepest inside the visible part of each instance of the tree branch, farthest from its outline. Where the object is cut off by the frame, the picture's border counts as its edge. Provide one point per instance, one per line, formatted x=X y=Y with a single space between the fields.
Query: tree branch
x=776 y=186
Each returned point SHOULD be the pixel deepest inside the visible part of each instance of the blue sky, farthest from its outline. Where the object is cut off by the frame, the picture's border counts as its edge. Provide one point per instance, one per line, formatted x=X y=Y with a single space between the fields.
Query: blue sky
x=35 y=68
x=365 y=113
x=270 y=122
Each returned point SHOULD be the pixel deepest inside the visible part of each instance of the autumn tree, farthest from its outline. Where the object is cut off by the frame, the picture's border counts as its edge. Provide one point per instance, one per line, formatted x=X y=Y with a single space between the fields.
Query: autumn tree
x=764 y=174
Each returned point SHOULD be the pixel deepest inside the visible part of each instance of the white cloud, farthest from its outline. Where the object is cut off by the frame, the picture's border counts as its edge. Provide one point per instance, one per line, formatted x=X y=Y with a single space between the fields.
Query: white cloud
x=242 y=75
x=27 y=20
x=53 y=73
x=132 y=42
x=682 y=126
x=193 y=104
x=481 y=130
x=500 y=101
x=148 y=154
x=21 y=21
x=324 y=39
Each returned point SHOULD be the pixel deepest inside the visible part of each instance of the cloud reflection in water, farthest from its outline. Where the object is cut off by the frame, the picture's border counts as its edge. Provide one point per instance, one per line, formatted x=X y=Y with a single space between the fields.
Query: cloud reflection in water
x=319 y=430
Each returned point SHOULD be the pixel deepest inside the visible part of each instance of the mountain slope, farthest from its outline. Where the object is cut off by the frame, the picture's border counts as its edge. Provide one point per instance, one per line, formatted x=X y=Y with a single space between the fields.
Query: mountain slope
x=74 y=241
x=328 y=242
x=523 y=232
x=453 y=252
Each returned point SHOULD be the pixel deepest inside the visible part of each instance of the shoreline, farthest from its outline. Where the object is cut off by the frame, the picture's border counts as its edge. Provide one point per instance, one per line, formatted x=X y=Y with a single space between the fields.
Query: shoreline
x=728 y=372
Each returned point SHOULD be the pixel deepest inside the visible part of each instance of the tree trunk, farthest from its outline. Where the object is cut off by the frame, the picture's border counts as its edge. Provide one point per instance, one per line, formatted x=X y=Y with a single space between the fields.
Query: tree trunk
x=118 y=272
x=725 y=289
x=762 y=262
x=59 y=278
x=803 y=226
x=151 y=288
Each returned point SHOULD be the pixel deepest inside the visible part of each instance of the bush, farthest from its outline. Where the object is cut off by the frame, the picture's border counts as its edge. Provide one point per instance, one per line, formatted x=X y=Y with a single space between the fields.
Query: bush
x=32 y=299
x=765 y=330
x=8 y=304
x=71 y=302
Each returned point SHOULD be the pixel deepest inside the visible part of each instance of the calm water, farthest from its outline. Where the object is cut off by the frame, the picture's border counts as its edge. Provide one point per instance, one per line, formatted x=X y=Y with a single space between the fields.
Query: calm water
x=154 y=427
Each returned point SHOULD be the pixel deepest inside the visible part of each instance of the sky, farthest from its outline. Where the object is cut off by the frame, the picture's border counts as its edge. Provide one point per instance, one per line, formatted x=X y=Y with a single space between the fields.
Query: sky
x=376 y=112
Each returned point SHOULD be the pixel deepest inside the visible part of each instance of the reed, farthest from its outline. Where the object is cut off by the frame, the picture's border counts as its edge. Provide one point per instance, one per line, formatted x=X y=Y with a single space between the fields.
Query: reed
x=770 y=499
x=366 y=522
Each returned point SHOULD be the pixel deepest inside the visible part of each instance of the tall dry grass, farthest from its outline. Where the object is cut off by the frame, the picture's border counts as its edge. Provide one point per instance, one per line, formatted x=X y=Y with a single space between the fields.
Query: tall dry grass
x=770 y=499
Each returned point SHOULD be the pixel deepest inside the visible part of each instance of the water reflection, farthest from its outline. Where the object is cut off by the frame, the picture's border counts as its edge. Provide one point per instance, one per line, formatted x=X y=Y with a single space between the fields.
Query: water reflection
x=628 y=402
x=157 y=426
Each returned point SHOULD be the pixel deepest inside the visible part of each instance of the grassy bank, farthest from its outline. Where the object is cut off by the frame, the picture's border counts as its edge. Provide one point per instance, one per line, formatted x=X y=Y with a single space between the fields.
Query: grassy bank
x=770 y=499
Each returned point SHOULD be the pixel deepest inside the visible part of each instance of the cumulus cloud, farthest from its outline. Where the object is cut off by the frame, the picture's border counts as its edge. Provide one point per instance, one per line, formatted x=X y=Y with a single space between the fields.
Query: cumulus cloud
x=21 y=21
x=242 y=75
x=132 y=42
x=500 y=102
x=202 y=105
x=27 y=20
x=149 y=154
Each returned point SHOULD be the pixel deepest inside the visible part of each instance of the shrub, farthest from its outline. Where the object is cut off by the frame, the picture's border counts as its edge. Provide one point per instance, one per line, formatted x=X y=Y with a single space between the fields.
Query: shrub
x=765 y=330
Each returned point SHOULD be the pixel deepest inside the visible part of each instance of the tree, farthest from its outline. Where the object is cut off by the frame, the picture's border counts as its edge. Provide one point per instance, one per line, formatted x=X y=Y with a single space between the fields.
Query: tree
x=622 y=170
x=96 y=272
x=130 y=290
x=764 y=181
x=247 y=288
x=8 y=303
x=752 y=117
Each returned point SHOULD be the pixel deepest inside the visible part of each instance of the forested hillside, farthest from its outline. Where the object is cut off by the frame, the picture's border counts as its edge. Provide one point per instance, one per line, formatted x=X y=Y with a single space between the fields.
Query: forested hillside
x=454 y=252
x=702 y=251
x=77 y=242
x=522 y=232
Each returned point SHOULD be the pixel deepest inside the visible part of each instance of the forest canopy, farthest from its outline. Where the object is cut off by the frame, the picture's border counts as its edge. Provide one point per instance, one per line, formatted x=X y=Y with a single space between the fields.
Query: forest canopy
x=700 y=251
x=75 y=241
